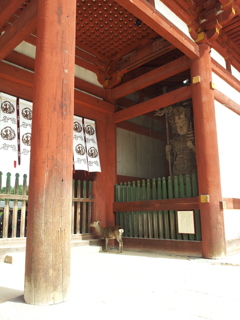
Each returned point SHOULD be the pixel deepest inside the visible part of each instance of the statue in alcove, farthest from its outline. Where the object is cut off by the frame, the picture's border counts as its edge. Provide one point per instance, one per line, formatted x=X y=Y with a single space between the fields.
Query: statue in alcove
x=180 y=149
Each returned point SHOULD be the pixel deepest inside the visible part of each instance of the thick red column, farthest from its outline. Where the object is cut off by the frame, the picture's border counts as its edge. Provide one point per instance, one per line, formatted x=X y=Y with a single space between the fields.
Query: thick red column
x=47 y=273
x=212 y=224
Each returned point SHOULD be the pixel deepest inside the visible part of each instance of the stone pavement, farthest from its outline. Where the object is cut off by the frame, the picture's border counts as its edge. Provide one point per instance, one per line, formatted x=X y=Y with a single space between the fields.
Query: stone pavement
x=132 y=285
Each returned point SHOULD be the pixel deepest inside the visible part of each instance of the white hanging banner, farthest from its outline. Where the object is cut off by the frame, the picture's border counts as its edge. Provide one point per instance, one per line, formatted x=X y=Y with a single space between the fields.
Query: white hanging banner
x=25 y=125
x=8 y=129
x=79 y=146
x=92 y=146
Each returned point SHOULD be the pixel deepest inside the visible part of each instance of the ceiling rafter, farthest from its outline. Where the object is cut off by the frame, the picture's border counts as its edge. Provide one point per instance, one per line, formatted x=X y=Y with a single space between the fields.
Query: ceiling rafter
x=7 y=9
x=24 y=25
x=159 y=102
x=156 y=75
x=155 y=20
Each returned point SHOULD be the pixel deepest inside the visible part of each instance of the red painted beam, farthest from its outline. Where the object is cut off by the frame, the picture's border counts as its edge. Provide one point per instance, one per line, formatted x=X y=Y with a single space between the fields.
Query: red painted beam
x=25 y=78
x=20 y=60
x=26 y=23
x=152 y=205
x=93 y=102
x=141 y=130
x=153 y=104
x=227 y=102
x=155 y=20
x=16 y=74
x=225 y=75
x=168 y=70
x=7 y=9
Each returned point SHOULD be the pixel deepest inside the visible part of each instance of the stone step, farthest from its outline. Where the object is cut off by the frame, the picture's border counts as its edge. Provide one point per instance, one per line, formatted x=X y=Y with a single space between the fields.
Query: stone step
x=90 y=244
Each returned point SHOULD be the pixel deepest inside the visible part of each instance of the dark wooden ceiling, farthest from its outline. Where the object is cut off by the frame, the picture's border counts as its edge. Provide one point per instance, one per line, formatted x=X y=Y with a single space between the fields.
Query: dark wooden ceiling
x=109 y=37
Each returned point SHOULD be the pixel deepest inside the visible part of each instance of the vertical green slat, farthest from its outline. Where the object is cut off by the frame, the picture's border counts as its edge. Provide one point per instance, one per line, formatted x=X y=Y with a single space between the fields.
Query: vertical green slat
x=160 y=213
x=23 y=225
x=149 y=213
x=145 y=220
x=139 y=197
x=182 y=195
x=73 y=196
x=15 y=209
x=130 y=214
x=135 y=214
x=155 y=215
x=117 y=200
x=176 y=196
x=181 y=186
x=84 y=207
x=89 y=205
x=6 y=208
x=165 y=213
x=121 y=221
x=125 y=214
x=189 y=195
x=196 y=212
x=77 y=205
x=171 y=212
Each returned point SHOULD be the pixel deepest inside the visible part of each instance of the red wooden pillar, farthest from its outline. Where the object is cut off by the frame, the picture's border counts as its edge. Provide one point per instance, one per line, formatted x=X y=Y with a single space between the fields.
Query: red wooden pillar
x=111 y=145
x=105 y=181
x=212 y=224
x=47 y=273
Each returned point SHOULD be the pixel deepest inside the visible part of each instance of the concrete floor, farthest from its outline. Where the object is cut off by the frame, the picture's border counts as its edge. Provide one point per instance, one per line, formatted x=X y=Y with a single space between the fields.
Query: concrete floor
x=132 y=285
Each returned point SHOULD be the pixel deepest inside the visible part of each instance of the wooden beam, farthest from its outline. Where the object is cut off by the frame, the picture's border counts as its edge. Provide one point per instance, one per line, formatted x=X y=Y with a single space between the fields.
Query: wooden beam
x=153 y=104
x=155 y=20
x=137 y=58
x=16 y=74
x=141 y=130
x=225 y=75
x=227 y=102
x=25 y=78
x=26 y=23
x=168 y=70
x=152 y=205
x=178 y=10
x=20 y=60
x=93 y=102
x=16 y=89
x=88 y=87
x=7 y=9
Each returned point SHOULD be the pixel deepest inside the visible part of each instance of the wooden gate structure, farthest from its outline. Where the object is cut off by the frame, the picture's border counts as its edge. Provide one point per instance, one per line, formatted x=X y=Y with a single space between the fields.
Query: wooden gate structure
x=114 y=61
x=13 y=219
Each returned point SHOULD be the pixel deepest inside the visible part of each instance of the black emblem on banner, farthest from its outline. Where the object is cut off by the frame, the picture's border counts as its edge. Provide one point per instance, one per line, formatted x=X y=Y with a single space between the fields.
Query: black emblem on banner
x=8 y=133
x=7 y=107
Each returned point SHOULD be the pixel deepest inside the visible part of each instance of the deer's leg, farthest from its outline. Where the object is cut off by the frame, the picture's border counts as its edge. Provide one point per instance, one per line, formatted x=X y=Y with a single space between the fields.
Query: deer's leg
x=106 y=244
x=120 y=246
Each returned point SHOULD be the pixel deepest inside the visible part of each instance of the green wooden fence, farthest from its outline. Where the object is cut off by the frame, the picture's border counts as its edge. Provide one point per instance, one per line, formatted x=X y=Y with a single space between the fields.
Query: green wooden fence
x=161 y=224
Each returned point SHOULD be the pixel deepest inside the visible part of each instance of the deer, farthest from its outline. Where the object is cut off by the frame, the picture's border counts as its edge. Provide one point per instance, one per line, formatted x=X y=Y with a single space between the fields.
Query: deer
x=109 y=233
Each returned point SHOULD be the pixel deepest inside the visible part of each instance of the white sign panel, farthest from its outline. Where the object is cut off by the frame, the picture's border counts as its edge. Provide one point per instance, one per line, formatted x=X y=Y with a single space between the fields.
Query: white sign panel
x=79 y=145
x=185 y=222
x=92 y=146
x=25 y=130
x=8 y=129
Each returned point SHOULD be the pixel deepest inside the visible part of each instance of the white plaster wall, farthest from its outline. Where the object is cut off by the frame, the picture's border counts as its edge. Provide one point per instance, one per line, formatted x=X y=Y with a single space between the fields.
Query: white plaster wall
x=235 y=73
x=232 y=224
x=218 y=58
x=228 y=133
x=29 y=50
x=163 y=9
x=139 y=155
x=225 y=88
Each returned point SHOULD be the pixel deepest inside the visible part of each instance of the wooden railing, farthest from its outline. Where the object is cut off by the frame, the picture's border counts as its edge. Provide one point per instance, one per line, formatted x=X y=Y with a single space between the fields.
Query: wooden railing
x=148 y=208
x=13 y=213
